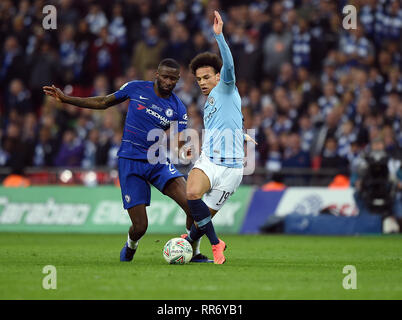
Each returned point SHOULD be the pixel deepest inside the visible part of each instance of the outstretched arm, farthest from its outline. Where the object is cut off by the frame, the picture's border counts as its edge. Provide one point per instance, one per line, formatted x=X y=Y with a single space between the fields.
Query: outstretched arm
x=100 y=102
x=227 y=72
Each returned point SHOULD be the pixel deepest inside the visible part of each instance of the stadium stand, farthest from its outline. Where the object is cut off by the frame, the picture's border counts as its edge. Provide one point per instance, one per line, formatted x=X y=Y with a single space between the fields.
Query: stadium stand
x=316 y=94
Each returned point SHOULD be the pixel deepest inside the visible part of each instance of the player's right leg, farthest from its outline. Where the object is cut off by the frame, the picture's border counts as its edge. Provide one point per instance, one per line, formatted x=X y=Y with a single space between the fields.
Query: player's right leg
x=136 y=195
x=198 y=183
x=139 y=220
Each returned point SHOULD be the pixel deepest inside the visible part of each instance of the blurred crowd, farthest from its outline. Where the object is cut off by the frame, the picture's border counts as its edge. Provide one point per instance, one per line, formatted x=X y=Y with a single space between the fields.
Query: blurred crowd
x=316 y=93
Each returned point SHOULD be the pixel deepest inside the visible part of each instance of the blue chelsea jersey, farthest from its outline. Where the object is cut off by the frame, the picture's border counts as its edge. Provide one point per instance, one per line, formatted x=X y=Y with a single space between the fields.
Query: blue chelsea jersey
x=147 y=111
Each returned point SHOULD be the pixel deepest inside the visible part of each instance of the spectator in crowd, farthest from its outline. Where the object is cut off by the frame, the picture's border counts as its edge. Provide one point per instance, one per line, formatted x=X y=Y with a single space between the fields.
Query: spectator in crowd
x=148 y=52
x=45 y=149
x=68 y=53
x=104 y=53
x=277 y=48
x=68 y=14
x=331 y=158
x=45 y=68
x=306 y=132
x=96 y=18
x=71 y=151
x=249 y=59
x=356 y=49
x=90 y=149
x=329 y=99
x=114 y=147
x=274 y=161
x=179 y=46
x=19 y=98
x=294 y=156
x=15 y=152
x=117 y=29
x=301 y=44
x=12 y=62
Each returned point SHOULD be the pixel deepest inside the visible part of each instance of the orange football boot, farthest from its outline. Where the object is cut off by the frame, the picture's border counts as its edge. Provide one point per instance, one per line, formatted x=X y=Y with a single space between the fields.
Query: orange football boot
x=217 y=251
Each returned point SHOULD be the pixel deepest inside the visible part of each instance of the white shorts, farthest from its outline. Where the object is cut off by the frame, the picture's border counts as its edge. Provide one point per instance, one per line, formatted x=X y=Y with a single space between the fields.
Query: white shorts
x=224 y=181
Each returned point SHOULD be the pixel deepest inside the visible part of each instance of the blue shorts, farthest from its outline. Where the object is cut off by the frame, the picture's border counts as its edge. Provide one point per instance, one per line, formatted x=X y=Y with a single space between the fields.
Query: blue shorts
x=136 y=176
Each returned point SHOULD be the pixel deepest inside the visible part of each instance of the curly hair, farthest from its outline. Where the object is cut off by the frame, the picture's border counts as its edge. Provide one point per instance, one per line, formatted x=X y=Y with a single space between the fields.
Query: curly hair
x=206 y=59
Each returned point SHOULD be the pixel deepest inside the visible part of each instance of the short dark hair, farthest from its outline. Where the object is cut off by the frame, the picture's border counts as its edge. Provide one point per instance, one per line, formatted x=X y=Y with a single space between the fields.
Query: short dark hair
x=206 y=59
x=168 y=62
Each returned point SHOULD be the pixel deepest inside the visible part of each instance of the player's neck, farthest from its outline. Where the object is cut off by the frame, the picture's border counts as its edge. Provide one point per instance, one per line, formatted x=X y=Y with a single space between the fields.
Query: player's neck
x=160 y=94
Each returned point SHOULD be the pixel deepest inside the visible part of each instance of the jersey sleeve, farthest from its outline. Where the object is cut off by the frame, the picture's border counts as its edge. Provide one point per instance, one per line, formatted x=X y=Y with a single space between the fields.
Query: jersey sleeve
x=228 y=77
x=182 y=116
x=124 y=91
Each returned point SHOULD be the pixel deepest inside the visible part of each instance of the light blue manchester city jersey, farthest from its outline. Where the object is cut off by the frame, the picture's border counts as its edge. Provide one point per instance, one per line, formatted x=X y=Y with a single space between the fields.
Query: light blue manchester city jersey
x=223 y=120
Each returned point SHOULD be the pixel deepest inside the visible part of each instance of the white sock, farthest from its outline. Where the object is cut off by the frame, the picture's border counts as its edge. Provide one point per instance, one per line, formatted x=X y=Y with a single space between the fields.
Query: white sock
x=195 y=245
x=132 y=244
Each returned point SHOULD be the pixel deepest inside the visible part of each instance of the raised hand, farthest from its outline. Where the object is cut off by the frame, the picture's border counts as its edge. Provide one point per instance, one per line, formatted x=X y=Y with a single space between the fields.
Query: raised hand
x=54 y=92
x=218 y=23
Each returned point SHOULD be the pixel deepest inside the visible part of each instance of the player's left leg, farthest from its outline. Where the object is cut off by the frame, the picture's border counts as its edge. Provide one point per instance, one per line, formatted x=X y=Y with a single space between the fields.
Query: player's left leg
x=199 y=183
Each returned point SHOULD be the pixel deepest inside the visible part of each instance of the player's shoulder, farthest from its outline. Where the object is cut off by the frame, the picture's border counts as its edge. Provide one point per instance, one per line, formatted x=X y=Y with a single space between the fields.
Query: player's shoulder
x=136 y=84
x=226 y=87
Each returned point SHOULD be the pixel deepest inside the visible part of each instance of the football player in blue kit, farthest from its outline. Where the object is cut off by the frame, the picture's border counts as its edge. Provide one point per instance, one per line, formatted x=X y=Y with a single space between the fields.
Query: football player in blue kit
x=153 y=105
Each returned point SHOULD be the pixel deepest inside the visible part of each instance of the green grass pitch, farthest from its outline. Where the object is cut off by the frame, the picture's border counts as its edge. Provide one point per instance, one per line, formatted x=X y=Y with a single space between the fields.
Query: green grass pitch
x=257 y=267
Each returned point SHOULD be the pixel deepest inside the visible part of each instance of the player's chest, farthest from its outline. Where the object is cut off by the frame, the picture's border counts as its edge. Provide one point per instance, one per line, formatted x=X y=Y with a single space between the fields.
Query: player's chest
x=151 y=110
x=211 y=109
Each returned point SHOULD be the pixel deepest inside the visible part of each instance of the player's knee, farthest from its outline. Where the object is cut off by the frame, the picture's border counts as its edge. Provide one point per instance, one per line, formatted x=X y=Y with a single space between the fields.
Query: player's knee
x=193 y=194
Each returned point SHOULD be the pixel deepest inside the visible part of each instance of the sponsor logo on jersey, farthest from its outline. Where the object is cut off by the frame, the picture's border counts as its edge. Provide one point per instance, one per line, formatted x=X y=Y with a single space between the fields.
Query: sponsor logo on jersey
x=164 y=121
x=141 y=107
x=155 y=107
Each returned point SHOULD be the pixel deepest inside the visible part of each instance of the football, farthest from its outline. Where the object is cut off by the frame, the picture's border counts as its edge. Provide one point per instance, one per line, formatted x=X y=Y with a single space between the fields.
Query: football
x=177 y=251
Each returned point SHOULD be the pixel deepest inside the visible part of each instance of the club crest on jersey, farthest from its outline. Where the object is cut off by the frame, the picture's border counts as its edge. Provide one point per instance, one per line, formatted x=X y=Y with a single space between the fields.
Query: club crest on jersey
x=128 y=198
x=211 y=101
x=169 y=112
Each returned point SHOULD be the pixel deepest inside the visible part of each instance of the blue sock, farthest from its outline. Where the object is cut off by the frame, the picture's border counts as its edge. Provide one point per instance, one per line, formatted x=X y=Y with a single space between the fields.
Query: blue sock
x=200 y=212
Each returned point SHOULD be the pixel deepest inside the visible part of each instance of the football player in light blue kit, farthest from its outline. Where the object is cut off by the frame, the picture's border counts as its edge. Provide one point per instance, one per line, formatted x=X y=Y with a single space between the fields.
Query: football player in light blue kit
x=219 y=170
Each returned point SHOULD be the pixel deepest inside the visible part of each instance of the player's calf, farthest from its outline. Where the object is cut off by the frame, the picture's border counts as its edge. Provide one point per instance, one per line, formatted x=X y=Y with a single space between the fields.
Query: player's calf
x=202 y=216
